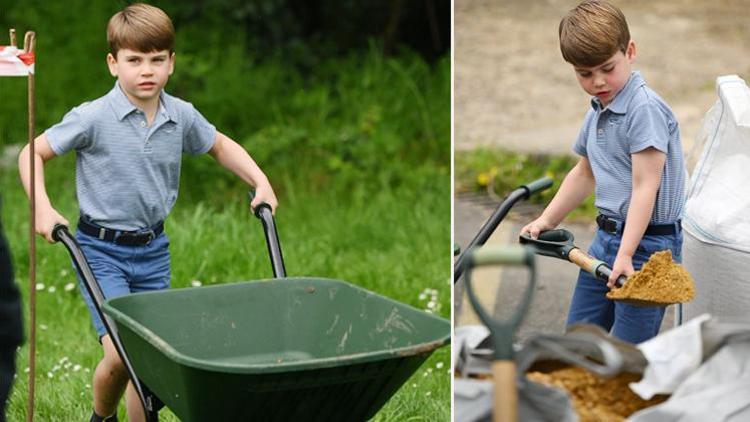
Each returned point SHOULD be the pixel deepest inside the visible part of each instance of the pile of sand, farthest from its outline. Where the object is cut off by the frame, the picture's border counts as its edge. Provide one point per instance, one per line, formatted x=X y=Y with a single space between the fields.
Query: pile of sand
x=594 y=398
x=660 y=280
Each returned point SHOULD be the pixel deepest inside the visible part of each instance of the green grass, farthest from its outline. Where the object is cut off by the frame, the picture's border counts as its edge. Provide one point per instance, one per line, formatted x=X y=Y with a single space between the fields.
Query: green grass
x=500 y=171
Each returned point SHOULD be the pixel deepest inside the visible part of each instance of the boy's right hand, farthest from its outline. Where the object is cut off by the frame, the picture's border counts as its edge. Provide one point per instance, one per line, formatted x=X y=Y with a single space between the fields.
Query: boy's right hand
x=537 y=226
x=46 y=219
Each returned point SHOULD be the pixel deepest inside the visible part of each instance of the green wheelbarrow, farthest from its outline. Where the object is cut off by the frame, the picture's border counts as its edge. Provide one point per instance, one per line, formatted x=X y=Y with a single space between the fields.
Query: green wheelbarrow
x=282 y=349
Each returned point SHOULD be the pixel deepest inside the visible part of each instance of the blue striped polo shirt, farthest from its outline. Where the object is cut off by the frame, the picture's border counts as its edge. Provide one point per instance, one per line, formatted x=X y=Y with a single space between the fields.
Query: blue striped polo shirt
x=128 y=173
x=636 y=119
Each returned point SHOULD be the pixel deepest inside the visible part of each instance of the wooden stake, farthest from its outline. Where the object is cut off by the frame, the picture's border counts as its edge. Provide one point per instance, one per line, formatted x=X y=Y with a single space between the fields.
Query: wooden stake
x=28 y=47
x=12 y=37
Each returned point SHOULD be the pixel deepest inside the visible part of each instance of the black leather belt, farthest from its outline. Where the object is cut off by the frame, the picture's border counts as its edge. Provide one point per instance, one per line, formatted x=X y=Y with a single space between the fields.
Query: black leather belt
x=119 y=237
x=610 y=225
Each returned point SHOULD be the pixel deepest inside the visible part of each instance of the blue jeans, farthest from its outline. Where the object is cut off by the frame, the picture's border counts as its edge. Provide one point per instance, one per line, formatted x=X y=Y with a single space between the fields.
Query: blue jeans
x=121 y=270
x=634 y=324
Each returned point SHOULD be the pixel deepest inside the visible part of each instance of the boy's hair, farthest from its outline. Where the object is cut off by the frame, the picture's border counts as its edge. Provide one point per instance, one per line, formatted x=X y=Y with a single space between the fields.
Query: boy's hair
x=140 y=27
x=592 y=32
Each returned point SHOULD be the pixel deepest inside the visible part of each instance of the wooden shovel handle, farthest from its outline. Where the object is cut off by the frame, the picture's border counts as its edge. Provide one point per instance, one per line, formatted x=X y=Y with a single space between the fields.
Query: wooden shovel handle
x=505 y=407
x=583 y=260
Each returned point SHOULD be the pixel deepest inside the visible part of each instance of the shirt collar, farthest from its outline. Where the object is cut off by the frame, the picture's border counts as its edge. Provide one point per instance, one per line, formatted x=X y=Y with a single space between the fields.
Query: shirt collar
x=123 y=107
x=620 y=103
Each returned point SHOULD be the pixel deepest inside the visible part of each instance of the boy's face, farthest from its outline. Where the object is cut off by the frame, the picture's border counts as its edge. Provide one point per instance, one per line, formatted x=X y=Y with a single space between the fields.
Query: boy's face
x=607 y=79
x=141 y=75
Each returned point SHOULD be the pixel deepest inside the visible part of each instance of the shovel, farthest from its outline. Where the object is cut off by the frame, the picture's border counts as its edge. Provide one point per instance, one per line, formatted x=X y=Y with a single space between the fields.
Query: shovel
x=505 y=407
x=558 y=243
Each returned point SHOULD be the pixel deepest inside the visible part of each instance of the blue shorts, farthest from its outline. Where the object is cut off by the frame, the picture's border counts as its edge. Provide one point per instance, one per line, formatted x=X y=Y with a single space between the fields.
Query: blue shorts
x=634 y=324
x=121 y=270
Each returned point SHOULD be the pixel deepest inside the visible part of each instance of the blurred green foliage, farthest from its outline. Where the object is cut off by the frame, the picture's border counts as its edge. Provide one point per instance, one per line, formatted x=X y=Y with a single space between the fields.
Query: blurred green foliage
x=357 y=120
x=501 y=171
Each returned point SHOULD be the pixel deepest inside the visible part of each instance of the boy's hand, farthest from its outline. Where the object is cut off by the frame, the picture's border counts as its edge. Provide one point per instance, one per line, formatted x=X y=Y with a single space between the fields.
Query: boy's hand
x=623 y=266
x=46 y=219
x=264 y=193
x=537 y=226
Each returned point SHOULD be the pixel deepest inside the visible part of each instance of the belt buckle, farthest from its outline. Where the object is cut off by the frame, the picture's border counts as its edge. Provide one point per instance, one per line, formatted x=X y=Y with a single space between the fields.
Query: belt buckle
x=135 y=239
x=608 y=225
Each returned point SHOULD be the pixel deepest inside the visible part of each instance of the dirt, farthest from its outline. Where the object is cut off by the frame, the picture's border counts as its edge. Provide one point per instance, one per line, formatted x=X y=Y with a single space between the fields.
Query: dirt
x=597 y=399
x=513 y=89
x=660 y=280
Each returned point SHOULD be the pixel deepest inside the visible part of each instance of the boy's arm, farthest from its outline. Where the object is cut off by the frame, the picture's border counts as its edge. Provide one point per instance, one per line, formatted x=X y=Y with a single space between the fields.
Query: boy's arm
x=46 y=215
x=577 y=185
x=233 y=157
x=647 y=169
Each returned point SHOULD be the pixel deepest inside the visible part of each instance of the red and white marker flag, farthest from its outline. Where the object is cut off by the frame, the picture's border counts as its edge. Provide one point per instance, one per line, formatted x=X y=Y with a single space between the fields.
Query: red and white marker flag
x=14 y=62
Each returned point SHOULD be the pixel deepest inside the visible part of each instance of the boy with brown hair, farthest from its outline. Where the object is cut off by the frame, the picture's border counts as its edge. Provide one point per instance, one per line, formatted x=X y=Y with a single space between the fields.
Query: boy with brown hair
x=129 y=146
x=631 y=157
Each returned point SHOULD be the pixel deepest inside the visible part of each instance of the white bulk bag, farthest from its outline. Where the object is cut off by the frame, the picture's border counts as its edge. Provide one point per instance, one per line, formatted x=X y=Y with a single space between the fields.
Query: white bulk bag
x=716 y=249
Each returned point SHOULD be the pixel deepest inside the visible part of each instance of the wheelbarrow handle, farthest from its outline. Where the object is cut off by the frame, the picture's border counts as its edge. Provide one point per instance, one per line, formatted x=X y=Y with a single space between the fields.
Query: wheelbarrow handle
x=265 y=214
x=61 y=234
x=520 y=193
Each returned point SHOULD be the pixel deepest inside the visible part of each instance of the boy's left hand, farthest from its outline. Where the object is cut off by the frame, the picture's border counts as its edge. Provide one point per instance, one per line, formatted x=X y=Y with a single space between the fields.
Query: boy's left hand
x=623 y=266
x=264 y=193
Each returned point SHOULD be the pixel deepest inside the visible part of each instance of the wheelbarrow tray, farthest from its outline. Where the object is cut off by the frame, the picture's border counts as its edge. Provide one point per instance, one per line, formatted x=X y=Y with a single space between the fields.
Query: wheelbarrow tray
x=280 y=349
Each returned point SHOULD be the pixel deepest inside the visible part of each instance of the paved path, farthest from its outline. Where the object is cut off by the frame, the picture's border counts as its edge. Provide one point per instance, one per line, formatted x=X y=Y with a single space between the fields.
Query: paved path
x=500 y=289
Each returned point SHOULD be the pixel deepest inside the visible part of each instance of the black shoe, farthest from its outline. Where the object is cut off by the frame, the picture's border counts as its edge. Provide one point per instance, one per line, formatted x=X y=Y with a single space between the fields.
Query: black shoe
x=97 y=418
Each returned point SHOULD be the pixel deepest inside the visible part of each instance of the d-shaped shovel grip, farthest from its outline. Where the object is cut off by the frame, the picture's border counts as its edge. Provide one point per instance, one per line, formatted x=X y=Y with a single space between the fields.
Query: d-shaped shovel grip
x=558 y=243
x=505 y=407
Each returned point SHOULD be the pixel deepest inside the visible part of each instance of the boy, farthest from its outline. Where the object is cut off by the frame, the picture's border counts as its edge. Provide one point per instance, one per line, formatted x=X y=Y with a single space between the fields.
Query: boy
x=631 y=157
x=128 y=146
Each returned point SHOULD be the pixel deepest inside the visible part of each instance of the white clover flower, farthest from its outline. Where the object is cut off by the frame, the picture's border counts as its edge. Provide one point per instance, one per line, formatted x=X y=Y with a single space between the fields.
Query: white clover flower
x=428 y=393
x=63 y=273
x=76 y=368
x=52 y=289
x=422 y=296
x=50 y=375
x=43 y=327
x=40 y=286
x=70 y=286
x=196 y=283
x=439 y=365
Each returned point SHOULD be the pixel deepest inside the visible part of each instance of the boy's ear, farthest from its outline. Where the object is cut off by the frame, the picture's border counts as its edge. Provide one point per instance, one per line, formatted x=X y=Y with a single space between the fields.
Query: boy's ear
x=112 y=64
x=171 y=63
x=630 y=51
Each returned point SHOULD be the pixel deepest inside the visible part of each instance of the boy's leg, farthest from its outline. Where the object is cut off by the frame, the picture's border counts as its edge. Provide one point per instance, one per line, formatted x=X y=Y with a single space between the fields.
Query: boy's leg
x=151 y=271
x=637 y=324
x=110 y=378
x=133 y=405
x=589 y=304
x=108 y=263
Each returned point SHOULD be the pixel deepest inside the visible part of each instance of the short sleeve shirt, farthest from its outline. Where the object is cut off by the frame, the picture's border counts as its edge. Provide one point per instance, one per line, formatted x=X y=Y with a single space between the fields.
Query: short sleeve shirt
x=635 y=120
x=127 y=172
